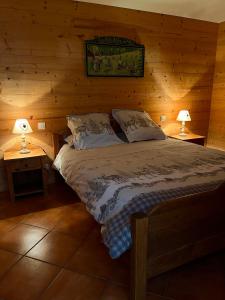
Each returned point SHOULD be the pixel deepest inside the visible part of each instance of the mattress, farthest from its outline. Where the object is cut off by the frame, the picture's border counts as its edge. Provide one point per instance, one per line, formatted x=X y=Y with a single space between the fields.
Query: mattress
x=115 y=182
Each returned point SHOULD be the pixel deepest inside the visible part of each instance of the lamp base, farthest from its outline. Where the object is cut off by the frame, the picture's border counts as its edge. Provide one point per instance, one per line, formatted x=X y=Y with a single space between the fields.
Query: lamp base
x=24 y=151
x=182 y=130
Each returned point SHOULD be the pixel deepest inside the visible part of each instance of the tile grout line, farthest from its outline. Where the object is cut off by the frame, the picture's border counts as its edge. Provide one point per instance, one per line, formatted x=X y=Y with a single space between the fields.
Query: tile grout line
x=48 y=286
x=5 y=273
x=49 y=231
x=107 y=281
x=105 y=288
x=25 y=254
x=60 y=268
x=31 y=225
x=22 y=256
x=15 y=224
x=81 y=244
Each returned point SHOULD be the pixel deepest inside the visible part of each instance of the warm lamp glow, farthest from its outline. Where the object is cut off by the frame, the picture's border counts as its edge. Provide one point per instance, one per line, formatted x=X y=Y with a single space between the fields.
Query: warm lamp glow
x=183 y=116
x=22 y=127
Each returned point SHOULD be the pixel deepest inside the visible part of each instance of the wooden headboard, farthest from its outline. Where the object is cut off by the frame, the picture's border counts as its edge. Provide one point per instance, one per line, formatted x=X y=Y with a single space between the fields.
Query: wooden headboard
x=59 y=137
x=59 y=140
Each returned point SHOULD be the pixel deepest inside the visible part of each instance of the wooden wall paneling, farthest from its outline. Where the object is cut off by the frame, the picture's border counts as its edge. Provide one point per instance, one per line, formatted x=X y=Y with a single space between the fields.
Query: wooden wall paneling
x=42 y=70
x=216 y=134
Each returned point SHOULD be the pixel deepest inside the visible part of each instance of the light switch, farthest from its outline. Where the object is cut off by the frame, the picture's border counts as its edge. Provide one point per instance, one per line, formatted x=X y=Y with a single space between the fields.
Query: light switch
x=163 y=118
x=41 y=125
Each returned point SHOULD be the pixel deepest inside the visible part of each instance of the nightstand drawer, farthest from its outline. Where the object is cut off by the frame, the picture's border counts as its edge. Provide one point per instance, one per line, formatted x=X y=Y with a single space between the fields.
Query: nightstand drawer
x=25 y=164
x=25 y=172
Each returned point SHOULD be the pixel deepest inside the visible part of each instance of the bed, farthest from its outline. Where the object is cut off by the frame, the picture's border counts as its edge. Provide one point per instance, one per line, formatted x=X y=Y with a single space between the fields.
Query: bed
x=164 y=198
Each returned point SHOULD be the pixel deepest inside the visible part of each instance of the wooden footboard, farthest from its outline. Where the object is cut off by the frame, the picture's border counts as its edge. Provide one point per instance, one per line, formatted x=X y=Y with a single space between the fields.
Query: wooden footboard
x=174 y=233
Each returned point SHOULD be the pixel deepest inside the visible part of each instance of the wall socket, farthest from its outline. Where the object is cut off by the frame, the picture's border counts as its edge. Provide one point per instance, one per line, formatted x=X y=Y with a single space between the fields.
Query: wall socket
x=41 y=125
x=163 y=118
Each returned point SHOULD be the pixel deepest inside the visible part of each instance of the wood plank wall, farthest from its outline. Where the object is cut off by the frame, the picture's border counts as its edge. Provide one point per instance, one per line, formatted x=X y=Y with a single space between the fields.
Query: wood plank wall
x=42 y=71
x=216 y=136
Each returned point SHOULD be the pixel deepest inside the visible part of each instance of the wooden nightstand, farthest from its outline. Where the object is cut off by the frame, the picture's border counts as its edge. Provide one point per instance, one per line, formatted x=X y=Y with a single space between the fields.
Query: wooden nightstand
x=191 y=138
x=25 y=172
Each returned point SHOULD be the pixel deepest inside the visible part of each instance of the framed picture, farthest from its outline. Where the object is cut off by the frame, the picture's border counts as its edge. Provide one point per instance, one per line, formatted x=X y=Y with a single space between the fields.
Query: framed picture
x=114 y=57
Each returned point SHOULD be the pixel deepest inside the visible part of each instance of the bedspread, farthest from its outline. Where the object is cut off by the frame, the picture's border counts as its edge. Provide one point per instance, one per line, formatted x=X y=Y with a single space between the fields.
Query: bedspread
x=117 y=181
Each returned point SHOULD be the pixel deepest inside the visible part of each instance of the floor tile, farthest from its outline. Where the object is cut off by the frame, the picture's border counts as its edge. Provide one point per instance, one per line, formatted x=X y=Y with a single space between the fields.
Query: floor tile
x=22 y=238
x=46 y=218
x=77 y=222
x=17 y=211
x=90 y=264
x=152 y=296
x=6 y=225
x=55 y=248
x=203 y=279
x=7 y=259
x=116 y=292
x=14 y=218
x=73 y=286
x=158 y=284
x=92 y=258
x=27 y=279
x=61 y=193
x=221 y=259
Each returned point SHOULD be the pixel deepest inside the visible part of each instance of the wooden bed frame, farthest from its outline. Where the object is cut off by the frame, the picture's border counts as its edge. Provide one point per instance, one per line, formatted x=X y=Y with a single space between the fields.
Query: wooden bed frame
x=172 y=233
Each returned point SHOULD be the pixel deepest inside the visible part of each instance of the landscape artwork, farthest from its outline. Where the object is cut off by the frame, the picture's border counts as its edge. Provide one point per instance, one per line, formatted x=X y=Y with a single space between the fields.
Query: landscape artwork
x=114 y=57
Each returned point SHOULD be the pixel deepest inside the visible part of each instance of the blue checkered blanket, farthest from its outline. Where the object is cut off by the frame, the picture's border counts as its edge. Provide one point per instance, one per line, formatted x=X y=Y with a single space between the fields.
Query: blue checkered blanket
x=117 y=232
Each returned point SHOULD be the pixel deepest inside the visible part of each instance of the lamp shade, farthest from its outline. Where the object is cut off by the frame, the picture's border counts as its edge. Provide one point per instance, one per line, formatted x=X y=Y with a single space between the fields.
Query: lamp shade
x=22 y=126
x=184 y=116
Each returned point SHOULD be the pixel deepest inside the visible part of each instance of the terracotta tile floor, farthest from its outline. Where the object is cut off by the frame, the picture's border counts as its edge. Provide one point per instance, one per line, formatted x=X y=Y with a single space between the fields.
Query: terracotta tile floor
x=50 y=249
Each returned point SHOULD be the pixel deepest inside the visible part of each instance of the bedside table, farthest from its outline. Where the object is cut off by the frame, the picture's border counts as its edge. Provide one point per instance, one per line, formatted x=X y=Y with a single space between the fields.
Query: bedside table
x=191 y=138
x=25 y=172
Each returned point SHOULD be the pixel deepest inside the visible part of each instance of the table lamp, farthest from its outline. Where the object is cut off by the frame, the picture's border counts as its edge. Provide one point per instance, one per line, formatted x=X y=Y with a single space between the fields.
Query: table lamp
x=22 y=127
x=183 y=116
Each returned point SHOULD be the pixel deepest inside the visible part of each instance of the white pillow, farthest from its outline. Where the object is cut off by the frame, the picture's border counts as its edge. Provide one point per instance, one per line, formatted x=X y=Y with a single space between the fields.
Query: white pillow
x=92 y=131
x=137 y=125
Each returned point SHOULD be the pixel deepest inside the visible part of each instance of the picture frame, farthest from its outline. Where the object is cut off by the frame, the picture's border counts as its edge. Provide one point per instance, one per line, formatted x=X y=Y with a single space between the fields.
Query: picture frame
x=114 y=57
